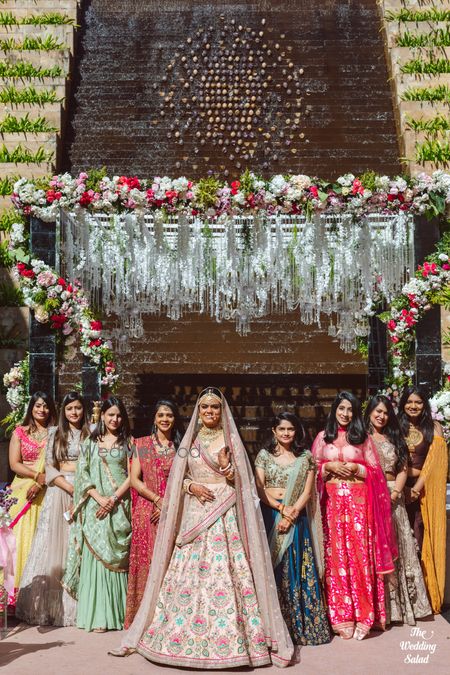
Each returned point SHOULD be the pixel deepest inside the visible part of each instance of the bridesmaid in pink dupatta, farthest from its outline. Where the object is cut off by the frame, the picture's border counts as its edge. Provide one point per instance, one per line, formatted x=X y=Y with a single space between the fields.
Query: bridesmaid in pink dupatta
x=359 y=539
x=152 y=459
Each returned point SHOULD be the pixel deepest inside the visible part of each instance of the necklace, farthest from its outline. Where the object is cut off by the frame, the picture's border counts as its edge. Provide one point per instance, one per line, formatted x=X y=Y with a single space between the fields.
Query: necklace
x=39 y=435
x=163 y=449
x=208 y=436
x=413 y=438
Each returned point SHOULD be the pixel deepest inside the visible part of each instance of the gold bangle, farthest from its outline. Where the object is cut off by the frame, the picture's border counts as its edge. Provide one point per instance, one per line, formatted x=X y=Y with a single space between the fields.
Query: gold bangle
x=36 y=476
x=281 y=508
x=289 y=519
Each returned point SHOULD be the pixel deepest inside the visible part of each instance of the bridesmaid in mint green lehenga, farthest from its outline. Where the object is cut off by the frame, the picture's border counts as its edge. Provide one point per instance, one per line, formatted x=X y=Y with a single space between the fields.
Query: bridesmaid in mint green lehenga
x=97 y=565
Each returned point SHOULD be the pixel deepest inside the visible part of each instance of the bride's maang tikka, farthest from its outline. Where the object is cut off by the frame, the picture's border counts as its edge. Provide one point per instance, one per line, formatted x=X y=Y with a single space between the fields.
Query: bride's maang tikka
x=210 y=395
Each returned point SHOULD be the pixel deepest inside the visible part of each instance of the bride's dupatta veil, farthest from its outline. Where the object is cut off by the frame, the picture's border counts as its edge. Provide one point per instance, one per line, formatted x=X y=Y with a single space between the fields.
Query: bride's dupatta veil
x=252 y=531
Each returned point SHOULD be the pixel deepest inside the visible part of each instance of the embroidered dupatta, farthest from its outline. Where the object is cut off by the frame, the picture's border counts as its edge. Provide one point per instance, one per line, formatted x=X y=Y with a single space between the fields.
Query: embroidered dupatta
x=108 y=539
x=279 y=542
x=252 y=531
x=199 y=517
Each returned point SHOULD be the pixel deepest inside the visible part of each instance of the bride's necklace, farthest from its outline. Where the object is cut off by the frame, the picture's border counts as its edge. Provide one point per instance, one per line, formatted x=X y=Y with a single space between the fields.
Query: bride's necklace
x=208 y=436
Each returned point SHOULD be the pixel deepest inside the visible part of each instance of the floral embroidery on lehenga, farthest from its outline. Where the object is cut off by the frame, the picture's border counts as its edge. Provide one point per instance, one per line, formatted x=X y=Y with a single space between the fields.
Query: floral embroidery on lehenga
x=207 y=609
x=207 y=614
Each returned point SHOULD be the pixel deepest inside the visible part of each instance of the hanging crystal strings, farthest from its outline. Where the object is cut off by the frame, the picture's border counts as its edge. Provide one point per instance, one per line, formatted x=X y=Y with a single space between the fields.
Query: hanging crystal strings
x=239 y=267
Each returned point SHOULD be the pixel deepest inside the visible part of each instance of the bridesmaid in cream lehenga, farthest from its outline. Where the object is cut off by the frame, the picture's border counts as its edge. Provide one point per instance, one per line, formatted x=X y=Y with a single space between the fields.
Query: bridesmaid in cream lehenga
x=42 y=600
x=406 y=596
x=208 y=603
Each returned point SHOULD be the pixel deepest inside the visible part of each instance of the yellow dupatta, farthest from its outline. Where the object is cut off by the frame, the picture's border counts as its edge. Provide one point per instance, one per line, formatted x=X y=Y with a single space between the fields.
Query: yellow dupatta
x=433 y=509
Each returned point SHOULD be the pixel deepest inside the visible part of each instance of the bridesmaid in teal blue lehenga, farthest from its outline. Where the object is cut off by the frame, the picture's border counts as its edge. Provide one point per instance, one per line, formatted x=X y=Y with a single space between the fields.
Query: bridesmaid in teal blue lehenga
x=97 y=563
x=285 y=477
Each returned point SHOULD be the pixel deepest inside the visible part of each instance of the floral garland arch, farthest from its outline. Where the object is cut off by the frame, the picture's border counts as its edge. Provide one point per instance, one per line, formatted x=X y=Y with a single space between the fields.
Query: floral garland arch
x=65 y=306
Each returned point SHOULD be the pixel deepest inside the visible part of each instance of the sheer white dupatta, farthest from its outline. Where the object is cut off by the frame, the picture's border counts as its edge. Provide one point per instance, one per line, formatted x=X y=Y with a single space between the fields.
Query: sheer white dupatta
x=252 y=530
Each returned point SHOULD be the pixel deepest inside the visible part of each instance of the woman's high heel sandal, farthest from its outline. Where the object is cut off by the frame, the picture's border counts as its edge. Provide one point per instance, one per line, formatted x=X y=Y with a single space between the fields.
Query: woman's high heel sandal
x=346 y=632
x=360 y=632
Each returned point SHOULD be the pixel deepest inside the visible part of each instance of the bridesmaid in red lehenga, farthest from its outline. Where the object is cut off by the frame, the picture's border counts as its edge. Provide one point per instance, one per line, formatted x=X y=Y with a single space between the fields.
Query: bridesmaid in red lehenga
x=150 y=467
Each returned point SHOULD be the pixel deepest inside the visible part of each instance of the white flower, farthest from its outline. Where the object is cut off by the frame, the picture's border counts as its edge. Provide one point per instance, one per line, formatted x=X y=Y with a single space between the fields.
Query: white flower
x=41 y=314
x=346 y=180
x=277 y=185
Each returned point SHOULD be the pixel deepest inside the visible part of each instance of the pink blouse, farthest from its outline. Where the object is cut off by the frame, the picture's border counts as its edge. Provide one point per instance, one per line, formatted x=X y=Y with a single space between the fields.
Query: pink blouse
x=378 y=494
x=29 y=448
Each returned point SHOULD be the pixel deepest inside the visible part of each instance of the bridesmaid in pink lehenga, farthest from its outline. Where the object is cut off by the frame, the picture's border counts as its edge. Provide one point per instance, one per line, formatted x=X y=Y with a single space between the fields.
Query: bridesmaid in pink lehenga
x=359 y=540
x=150 y=467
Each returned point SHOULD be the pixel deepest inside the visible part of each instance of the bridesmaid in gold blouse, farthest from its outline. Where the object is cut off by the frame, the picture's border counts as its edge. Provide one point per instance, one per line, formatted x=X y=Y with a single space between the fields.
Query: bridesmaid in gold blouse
x=425 y=491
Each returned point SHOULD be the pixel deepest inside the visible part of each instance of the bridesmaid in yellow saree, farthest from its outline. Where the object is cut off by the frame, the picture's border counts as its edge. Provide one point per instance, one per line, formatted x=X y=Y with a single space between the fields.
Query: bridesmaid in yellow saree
x=27 y=460
x=425 y=491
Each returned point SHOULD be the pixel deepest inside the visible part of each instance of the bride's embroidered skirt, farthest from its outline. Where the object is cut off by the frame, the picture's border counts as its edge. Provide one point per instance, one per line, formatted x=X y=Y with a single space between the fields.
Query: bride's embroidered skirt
x=207 y=615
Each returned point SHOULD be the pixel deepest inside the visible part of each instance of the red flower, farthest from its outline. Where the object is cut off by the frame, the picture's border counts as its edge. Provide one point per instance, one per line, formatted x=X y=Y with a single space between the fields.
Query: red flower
x=52 y=195
x=314 y=191
x=28 y=273
x=61 y=282
x=171 y=195
x=446 y=266
x=394 y=338
x=96 y=325
x=391 y=198
x=251 y=200
x=95 y=343
x=357 y=187
x=86 y=199
x=391 y=325
x=130 y=182
x=235 y=185
x=58 y=320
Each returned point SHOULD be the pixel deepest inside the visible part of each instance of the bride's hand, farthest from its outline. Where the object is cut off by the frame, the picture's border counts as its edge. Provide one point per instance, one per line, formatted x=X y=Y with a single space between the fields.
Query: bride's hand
x=202 y=493
x=224 y=457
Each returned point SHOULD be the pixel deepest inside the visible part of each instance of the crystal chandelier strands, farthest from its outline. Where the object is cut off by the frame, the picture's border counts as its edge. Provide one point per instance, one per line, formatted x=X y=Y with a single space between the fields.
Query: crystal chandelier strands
x=239 y=267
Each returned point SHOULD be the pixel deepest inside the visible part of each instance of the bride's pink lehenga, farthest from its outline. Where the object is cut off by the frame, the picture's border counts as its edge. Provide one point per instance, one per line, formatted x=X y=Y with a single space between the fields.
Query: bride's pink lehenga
x=208 y=603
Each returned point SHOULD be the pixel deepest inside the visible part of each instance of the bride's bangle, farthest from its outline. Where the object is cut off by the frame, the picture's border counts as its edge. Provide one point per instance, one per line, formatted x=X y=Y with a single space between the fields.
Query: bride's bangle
x=187 y=486
x=225 y=469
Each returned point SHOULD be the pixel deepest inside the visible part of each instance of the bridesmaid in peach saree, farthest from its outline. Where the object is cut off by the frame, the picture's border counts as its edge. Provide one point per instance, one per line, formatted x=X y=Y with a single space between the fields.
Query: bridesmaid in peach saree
x=210 y=601
x=152 y=458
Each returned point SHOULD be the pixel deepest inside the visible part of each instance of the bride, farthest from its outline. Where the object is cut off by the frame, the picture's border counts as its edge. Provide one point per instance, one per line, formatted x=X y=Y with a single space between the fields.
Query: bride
x=208 y=603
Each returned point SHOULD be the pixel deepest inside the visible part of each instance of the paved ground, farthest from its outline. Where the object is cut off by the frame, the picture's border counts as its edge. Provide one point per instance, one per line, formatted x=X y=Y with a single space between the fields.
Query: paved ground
x=69 y=651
